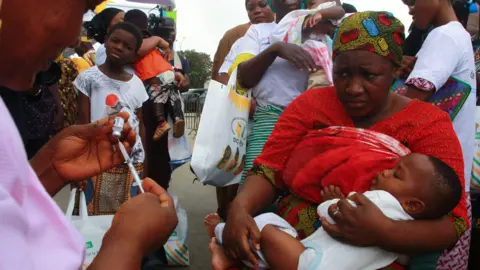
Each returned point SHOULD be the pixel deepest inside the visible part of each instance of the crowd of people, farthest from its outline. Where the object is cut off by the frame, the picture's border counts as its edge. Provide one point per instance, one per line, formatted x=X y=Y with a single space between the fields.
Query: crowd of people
x=360 y=153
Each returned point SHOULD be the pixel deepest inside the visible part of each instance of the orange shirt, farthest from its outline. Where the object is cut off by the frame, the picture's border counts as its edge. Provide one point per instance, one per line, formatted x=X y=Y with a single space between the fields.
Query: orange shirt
x=151 y=65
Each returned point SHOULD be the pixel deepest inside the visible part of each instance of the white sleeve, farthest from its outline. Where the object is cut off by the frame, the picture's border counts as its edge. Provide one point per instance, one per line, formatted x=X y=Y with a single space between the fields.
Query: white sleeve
x=82 y=83
x=230 y=58
x=250 y=43
x=437 y=59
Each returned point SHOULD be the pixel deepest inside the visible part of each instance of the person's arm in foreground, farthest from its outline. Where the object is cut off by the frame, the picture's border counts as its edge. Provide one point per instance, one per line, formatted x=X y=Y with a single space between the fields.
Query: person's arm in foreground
x=128 y=240
x=367 y=226
x=260 y=189
x=79 y=152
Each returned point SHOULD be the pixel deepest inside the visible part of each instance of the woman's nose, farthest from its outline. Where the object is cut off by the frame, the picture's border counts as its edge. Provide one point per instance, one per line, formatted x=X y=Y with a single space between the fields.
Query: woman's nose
x=355 y=87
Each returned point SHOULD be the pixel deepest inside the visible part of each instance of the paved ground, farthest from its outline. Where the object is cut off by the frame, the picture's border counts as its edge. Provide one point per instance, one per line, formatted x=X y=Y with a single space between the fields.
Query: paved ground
x=198 y=200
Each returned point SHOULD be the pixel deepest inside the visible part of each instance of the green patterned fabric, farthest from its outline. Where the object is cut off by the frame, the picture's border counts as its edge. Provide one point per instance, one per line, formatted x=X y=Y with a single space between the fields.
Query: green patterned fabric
x=377 y=32
x=263 y=123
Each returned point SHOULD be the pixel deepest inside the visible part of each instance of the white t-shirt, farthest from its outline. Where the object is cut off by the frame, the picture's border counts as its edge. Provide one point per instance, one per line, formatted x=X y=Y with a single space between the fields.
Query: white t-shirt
x=101 y=57
x=97 y=86
x=448 y=52
x=282 y=82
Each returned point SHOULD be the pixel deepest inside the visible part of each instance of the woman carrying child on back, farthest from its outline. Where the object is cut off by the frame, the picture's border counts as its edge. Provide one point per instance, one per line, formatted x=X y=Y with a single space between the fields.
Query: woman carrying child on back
x=109 y=85
x=276 y=73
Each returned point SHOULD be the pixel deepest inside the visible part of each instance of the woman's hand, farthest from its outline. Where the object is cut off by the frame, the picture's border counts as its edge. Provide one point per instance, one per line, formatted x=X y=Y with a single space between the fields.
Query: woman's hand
x=360 y=226
x=180 y=79
x=147 y=219
x=296 y=55
x=167 y=54
x=239 y=228
x=141 y=225
x=83 y=151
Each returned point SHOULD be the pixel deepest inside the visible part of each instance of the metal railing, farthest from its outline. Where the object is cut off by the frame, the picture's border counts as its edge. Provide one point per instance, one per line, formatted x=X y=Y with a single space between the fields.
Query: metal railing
x=193 y=102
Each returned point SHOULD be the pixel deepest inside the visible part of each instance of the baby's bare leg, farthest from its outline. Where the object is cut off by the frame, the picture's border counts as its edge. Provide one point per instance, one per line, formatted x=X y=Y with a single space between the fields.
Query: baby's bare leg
x=281 y=251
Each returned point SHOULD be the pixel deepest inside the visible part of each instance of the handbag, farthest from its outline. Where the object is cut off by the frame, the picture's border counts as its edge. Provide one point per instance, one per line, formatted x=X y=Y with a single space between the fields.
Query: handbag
x=92 y=228
x=449 y=98
x=219 y=153
x=107 y=191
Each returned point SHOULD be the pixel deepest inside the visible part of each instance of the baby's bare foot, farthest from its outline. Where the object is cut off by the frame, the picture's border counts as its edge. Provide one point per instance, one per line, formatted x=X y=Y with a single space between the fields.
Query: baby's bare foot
x=220 y=261
x=332 y=192
x=211 y=221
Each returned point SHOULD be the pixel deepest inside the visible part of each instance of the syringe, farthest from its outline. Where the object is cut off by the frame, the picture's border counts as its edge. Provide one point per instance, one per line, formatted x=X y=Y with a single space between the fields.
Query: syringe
x=117 y=132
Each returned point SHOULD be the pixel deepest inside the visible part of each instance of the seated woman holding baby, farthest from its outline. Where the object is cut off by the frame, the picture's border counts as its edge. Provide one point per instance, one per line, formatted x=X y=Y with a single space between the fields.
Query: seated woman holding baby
x=354 y=137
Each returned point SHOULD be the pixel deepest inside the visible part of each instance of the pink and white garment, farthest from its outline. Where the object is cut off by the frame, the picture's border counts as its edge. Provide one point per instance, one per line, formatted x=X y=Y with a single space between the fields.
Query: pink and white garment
x=289 y=30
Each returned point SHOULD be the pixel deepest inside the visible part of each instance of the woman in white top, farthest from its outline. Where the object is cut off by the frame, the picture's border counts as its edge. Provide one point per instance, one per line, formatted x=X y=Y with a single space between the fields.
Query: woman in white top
x=446 y=53
x=276 y=73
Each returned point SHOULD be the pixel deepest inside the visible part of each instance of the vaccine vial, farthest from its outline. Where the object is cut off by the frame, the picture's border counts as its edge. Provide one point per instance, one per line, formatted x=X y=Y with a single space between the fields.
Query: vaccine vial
x=118 y=127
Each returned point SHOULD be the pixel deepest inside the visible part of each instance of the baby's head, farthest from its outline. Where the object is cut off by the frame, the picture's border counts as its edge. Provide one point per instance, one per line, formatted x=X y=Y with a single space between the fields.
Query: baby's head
x=425 y=186
x=312 y=4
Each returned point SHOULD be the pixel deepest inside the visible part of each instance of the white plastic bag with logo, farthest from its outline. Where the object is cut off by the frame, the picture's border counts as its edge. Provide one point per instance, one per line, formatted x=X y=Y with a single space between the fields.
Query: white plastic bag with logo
x=92 y=228
x=219 y=153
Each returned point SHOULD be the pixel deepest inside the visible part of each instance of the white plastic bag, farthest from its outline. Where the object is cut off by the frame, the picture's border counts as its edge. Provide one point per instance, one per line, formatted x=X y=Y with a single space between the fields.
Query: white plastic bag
x=219 y=154
x=179 y=148
x=176 y=249
x=92 y=228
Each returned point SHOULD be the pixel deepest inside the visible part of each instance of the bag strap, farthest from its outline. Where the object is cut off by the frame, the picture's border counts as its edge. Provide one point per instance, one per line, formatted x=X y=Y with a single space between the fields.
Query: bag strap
x=71 y=205
x=83 y=206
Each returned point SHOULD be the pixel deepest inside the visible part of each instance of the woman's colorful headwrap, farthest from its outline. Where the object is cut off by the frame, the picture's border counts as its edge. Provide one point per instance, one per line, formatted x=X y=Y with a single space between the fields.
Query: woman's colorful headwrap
x=375 y=31
x=304 y=4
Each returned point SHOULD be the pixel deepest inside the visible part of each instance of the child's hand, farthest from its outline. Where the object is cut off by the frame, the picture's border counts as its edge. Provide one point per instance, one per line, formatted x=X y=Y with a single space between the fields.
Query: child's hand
x=180 y=79
x=167 y=54
x=331 y=192
x=312 y=20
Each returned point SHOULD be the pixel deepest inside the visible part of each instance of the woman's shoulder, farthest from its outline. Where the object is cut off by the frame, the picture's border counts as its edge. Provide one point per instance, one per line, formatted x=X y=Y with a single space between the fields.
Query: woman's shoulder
x=427 y=111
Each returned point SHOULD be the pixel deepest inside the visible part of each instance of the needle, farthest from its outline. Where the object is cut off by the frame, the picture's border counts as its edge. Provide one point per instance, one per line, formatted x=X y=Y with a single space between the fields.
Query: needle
x=130 y=166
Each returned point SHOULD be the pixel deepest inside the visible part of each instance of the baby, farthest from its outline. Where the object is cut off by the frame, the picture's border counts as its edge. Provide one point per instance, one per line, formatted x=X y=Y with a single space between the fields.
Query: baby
x=310 y=28
x=418 y=187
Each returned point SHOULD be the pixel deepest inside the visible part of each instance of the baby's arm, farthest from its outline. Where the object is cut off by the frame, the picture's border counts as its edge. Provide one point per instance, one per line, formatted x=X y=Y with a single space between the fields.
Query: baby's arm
x=332 y=13
x=281 y=251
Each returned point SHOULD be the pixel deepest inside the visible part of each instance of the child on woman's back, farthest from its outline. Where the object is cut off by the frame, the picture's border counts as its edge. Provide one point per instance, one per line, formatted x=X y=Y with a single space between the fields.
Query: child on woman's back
x=159 y=78
x=310 y=28
x=418 y=187
x=97 y=83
